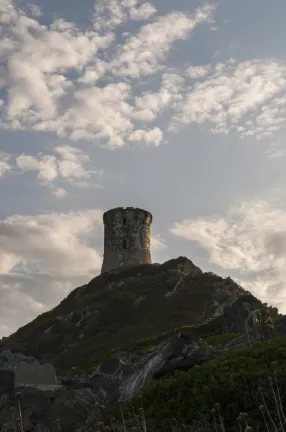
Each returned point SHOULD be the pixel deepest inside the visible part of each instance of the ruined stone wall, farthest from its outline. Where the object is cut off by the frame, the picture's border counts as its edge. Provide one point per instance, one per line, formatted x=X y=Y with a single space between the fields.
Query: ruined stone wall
x=127 y=233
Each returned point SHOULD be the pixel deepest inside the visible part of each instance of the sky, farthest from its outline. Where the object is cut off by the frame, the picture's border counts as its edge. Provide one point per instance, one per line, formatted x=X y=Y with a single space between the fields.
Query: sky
x=174 y=107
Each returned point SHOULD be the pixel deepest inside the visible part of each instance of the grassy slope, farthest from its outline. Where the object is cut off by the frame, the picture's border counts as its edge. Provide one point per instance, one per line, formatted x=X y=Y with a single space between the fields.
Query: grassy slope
x=232 y=381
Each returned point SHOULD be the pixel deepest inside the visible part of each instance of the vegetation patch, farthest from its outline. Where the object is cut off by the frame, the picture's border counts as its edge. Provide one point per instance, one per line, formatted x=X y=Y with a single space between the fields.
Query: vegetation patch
x=239 y=381
x=220 y=340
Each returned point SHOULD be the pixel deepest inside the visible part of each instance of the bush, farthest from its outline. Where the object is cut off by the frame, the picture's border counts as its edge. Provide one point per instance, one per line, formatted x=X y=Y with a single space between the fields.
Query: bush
x=221 y=339
x=231 y=380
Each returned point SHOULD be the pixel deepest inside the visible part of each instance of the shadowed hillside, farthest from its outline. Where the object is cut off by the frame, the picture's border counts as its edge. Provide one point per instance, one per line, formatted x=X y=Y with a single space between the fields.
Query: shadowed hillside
x=120 y=307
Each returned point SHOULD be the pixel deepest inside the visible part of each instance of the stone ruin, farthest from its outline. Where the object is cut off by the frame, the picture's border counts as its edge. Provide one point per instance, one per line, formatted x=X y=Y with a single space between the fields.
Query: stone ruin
x=35 y=374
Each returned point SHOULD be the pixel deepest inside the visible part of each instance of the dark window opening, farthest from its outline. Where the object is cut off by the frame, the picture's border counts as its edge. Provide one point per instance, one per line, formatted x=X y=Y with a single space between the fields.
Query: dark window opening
x=124 y=221
x=124 y=244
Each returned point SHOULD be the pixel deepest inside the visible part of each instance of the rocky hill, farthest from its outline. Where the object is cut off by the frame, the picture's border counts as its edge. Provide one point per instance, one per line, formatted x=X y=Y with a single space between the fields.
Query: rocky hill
x=134 y=330
x=117 y=308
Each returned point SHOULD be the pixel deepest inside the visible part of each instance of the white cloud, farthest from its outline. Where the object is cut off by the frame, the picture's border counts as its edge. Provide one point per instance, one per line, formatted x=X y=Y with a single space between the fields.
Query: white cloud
x=247 y=97
x=34 y=10
x=195 y=72
x=249 y=241
x=93 y=72
x=148 y=105
x=72 y=163
x=69 y=165
x=100 y=113
x=107 y=113
x=153 y=136
x=143 y=53
x=158 y=243
x=5 y=165
x=143 y=12
x=43 y=95
x=27 y=83
x=60 y=193
x=45 y=165
x=275 y=151
x=37 y=56
x=42 y=258
x=109 y=14
x=8 y=12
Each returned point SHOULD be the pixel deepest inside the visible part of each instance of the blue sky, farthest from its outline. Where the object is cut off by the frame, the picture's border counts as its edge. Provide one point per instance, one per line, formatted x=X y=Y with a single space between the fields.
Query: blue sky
x=178 y=109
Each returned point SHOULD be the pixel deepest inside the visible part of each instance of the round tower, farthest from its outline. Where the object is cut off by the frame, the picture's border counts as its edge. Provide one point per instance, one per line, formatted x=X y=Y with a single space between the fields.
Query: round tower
x=127 y=232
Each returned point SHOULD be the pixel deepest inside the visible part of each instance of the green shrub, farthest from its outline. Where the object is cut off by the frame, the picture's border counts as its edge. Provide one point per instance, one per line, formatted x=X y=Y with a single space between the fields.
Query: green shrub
x=221 y=339
x=231 y=380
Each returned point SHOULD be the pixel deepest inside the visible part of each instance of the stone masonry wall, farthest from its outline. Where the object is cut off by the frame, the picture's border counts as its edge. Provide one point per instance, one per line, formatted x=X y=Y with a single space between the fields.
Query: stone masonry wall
x=127 y=233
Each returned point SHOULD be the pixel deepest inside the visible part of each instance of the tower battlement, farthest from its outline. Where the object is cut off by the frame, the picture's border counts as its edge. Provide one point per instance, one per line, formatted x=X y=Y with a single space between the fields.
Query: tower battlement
x=127 y=233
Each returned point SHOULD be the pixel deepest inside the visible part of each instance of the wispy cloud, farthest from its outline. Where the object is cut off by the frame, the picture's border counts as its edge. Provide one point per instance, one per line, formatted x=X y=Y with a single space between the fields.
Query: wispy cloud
x=275 y=150
x=152 y=136
x=5 y=165
x=59 y=193
x=143 y=53
x=247 y=98
x=42 y=258
x=109 y=14
x=67 y=164
x=249 y=241
x=158 y=243
x=149 y=105
x=42 y=95
x=63 y=165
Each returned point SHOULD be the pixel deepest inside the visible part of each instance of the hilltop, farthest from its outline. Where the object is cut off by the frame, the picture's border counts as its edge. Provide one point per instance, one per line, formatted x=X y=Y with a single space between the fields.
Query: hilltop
x=120 y=307
x=171 y=331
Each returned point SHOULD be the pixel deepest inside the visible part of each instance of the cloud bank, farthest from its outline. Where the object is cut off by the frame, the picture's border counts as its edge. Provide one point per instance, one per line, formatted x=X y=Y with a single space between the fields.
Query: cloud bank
x=249 y=242
x=42 y=258
x=98 y=104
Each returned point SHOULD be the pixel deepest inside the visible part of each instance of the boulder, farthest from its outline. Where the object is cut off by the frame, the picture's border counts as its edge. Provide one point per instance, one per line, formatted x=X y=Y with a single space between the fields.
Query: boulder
x=72 y=407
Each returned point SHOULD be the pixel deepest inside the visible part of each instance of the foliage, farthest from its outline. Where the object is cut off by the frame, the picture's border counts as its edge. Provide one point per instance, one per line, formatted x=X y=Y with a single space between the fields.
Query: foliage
x=219 y=340
x=231 y=380
x=143 y=345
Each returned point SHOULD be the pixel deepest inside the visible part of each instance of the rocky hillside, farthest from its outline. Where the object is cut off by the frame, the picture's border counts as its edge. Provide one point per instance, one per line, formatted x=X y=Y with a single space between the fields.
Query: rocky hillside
x=180 y=338
x=119 y=307
x=182 y=374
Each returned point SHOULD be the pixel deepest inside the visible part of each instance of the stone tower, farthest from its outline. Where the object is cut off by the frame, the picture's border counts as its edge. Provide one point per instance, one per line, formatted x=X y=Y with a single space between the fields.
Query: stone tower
x=127 y=232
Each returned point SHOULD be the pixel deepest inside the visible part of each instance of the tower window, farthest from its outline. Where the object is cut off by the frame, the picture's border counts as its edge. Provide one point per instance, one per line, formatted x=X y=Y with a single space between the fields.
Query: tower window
x=124 y=245
x=124 y=221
